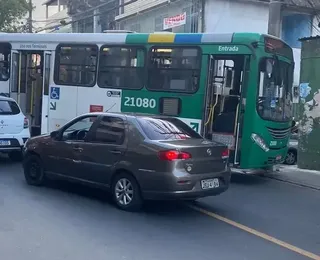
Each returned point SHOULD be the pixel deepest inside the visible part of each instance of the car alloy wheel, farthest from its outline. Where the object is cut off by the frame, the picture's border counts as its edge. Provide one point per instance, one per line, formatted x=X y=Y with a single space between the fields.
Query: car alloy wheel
x=124 y=191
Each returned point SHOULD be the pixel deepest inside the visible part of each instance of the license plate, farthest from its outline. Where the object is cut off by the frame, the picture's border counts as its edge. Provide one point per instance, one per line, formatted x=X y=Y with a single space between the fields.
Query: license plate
x=5 y=143
x=210 y=184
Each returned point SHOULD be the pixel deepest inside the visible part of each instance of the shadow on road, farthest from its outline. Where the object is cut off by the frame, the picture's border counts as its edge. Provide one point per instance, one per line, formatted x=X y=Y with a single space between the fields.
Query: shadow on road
x=103 y=196
x=242 y=179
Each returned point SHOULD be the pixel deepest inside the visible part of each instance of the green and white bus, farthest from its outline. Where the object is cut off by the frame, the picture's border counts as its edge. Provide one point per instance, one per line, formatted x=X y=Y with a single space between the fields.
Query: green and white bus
x=233 y=88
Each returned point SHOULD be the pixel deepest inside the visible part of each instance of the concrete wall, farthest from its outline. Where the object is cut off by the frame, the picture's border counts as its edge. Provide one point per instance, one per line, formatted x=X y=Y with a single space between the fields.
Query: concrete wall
x=229 y=16
x=138 y=6
x=152 y=20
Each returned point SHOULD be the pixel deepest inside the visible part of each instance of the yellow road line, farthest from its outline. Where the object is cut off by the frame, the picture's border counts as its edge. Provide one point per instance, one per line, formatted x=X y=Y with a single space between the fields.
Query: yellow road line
x=257 y=233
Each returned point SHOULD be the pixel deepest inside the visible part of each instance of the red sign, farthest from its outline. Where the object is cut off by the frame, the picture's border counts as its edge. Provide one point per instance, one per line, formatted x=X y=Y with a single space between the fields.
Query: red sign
x=96 y=108
x=174 y=21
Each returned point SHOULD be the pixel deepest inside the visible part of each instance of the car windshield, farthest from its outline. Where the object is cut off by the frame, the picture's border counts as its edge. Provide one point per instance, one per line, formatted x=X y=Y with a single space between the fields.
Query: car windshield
x=166 y=129
x=8 y=107
x=275 y=85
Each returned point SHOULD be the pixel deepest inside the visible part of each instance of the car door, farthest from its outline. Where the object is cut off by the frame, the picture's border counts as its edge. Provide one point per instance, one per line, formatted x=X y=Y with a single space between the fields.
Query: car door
x=105 y=147
x=63 y=152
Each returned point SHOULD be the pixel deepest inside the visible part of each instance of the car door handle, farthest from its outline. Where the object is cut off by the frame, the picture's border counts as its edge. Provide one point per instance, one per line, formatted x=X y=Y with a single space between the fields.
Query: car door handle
x=78 y=149
x=115 y=152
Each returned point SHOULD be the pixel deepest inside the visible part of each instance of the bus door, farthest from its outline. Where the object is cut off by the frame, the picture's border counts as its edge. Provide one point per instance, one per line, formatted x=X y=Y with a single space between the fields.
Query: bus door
x=26 y=84
x=223 y=117
x=46 y=66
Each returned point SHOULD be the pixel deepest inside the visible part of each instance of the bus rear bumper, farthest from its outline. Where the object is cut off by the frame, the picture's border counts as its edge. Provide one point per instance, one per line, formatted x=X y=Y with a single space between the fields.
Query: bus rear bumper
x=259 y=171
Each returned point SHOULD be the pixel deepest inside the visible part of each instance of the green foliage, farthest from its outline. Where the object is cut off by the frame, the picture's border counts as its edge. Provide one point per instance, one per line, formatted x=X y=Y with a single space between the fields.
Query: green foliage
x=11 y=13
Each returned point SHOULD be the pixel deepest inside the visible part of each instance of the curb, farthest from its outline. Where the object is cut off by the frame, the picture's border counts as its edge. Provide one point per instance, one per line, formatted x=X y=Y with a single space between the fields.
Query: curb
x=296 y=183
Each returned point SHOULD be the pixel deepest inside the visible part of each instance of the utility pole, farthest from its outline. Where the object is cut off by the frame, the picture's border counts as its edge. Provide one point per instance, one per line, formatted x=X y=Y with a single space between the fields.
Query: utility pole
x=30 y=17
x=274 y=22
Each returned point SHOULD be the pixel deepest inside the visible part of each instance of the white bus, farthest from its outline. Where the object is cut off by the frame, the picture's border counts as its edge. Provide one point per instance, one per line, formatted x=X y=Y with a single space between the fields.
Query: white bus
x=53 y=76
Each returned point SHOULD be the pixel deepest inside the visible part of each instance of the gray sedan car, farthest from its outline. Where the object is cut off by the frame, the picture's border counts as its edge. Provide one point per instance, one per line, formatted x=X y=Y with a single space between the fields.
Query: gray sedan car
x=135 y=157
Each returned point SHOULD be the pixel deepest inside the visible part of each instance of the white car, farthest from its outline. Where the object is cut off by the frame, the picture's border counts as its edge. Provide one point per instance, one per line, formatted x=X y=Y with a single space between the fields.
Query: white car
x=14 y=128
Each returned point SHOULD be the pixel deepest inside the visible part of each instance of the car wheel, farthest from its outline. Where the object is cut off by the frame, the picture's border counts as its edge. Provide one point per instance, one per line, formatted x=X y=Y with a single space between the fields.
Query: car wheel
x=33 y=170
x=15 y=156
x=291 y=158
x=126 y=192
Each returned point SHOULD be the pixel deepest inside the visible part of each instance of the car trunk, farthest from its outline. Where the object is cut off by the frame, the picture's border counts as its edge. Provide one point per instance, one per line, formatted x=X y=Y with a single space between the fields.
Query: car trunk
x=11 y=124
x=206 y=156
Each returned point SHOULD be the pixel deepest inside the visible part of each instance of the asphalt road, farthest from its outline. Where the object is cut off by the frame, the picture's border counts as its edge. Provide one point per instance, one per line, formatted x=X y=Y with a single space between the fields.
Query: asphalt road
x=65 y=221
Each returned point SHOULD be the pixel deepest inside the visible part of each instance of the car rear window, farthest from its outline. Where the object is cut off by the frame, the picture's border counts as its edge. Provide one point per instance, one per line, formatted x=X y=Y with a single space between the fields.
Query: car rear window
x=8 y=107
x=166 y=129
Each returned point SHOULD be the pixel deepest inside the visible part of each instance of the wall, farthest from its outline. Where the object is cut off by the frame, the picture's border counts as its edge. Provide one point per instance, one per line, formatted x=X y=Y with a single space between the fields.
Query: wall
x=223 y=16
x=138 y=6
x=152 y=20
x=39 y=14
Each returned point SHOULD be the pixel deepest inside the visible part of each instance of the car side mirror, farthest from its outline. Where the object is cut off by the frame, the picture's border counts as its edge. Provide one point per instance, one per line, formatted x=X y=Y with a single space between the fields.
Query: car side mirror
x=54 y=134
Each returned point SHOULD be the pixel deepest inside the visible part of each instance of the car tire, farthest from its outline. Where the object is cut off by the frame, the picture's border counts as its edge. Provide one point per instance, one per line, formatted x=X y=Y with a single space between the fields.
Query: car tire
x=34 y=170
x=15 y=156
x=291 y=157
x=126 y=192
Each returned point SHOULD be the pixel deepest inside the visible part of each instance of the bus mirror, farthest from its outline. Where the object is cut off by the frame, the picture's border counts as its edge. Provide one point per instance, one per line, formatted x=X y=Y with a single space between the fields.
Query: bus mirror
x=295 y=94
x=295 y=127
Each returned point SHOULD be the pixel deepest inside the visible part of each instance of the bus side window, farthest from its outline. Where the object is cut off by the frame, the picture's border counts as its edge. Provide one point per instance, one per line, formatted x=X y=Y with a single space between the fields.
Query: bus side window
x=121 y=67
x=175 y=69
x=76 y=65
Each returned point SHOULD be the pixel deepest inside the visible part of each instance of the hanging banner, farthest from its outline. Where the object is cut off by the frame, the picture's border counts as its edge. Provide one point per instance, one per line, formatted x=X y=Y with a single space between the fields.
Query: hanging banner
x=174 y=21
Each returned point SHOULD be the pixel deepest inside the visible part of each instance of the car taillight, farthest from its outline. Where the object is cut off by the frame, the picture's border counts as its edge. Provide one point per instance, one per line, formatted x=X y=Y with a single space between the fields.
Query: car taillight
x=173 y=155
x=225 y=153
x=25 y=123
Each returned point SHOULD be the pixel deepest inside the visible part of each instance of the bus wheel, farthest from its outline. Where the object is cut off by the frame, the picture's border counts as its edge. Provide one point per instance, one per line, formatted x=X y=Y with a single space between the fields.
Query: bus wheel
x=291 y=157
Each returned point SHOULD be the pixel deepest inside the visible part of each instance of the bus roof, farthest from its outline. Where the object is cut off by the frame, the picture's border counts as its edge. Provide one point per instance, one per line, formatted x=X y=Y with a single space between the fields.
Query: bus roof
x=131 y=38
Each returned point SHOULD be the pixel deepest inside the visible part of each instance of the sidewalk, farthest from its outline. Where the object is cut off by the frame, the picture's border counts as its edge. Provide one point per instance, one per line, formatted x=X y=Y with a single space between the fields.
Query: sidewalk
x=292 y=174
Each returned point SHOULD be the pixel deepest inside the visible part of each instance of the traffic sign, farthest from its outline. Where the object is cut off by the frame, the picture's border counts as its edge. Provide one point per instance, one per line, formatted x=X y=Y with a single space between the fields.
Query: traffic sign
x=55 y=93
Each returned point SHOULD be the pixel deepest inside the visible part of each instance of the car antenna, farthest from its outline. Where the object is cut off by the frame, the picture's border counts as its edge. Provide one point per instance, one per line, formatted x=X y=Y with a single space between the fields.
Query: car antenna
x=110 y=107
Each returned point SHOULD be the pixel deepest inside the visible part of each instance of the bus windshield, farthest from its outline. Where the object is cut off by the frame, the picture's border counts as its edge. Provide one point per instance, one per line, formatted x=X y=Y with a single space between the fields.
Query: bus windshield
x=275 y=85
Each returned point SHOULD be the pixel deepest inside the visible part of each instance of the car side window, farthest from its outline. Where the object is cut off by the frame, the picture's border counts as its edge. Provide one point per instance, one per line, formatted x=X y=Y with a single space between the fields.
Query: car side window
x=110 y=130
x=78 y=130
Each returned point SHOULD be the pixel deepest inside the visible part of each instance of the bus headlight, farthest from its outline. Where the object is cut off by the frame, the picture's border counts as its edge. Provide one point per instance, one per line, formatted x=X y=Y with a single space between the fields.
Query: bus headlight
x=259 y=141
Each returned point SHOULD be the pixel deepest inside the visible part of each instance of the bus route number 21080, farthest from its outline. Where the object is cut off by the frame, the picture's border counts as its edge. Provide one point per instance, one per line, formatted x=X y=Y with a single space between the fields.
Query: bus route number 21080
x=139 y=102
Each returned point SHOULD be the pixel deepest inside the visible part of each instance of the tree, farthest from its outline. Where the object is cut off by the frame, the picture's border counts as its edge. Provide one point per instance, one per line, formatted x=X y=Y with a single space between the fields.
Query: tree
x=11 y=14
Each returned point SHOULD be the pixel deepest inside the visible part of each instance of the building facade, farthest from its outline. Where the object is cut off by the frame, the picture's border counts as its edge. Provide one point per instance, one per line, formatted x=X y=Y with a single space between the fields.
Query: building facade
x=296 y=20
x=58 y=20
x=179 y=16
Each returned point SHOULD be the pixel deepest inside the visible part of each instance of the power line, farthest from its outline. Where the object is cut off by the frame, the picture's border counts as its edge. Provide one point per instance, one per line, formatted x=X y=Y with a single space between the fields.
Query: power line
x=64 y=23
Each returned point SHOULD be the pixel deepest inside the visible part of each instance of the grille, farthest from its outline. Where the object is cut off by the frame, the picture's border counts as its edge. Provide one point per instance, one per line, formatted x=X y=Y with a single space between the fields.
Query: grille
x=170 y=106
x=279 y=133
